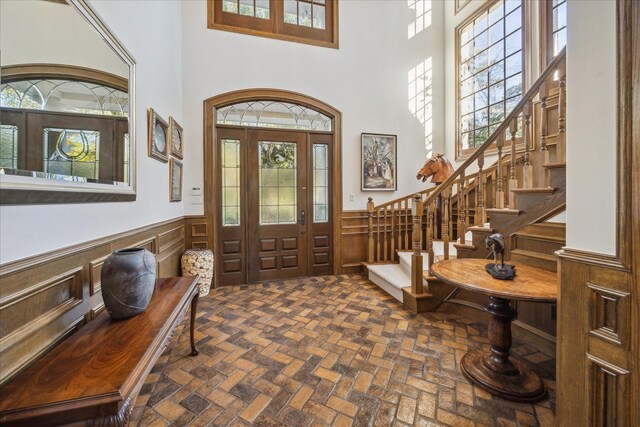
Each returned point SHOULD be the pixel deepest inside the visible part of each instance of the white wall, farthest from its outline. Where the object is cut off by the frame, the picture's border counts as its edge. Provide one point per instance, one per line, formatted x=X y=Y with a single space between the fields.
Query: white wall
x=152 y=33
x=30 y=33
x=367 y=79
x=591 y=126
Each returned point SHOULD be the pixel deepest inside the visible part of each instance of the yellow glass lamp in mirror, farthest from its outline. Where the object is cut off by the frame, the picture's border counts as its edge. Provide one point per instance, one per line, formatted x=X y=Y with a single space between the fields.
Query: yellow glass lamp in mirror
x=67 y=105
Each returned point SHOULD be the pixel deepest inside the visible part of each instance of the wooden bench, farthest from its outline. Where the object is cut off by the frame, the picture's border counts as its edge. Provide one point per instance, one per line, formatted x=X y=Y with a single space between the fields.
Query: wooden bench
x=94 y=376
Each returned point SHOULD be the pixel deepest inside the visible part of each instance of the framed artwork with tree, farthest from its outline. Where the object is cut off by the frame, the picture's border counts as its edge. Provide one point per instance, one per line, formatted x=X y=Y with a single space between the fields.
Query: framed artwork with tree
x=379 y=162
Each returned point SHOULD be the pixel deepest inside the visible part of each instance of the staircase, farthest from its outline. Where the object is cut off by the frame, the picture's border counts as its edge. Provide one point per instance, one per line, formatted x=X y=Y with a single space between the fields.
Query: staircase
x=516 y=196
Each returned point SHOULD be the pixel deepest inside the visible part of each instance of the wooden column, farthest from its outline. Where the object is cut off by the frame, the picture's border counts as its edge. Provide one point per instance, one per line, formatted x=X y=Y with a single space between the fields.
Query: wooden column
x=527 y=169
x=393 y=232
x=499 y=183
x=513 y=181
x=462 y=209
x=481 y=216
x=562 y=114
x=370 y=244
x=416 y=256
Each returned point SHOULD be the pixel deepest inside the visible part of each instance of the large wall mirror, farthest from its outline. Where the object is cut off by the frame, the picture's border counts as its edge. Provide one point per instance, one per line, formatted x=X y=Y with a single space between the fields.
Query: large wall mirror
x=66 y=106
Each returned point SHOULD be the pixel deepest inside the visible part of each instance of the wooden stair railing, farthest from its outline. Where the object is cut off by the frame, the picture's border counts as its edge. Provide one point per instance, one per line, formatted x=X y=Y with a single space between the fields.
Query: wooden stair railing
x=392 y=226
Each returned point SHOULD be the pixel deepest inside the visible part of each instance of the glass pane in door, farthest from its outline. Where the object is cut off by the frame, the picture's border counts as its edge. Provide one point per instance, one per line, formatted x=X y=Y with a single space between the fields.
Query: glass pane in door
x=320 y=183
x=277 y=182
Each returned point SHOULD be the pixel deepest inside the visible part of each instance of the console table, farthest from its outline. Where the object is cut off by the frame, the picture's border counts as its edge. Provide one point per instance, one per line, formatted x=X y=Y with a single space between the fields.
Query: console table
x=497 y=371
x=94 y=376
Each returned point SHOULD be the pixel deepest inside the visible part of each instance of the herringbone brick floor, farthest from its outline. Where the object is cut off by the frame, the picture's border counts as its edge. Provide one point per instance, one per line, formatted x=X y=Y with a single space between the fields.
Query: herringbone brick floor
x=333 y=350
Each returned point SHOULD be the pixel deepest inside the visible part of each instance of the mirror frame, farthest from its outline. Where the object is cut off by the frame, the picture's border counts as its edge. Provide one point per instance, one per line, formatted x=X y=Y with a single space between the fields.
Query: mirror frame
x=24 y=190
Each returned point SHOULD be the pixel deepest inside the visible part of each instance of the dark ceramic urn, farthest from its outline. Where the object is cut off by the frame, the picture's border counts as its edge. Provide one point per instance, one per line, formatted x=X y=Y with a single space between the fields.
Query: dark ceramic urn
x=128 y=278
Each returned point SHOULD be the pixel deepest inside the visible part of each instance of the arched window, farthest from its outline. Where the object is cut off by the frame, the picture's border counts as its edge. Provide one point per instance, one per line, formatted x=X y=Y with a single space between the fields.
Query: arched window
x=273 y=114
x=68 y=96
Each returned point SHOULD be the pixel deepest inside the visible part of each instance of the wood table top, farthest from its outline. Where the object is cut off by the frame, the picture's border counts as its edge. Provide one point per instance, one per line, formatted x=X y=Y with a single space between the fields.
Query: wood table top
x=530 y=283
x=99 y=361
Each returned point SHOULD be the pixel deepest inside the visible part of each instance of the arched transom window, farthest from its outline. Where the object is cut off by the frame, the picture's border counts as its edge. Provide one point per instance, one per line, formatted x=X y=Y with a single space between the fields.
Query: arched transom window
x=274 y=114
x=69 y=96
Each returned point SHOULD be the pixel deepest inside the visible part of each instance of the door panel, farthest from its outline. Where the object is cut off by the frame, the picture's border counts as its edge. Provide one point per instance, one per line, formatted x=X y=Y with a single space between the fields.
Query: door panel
x=320 y=220
x=232 y=233
x=277 y=203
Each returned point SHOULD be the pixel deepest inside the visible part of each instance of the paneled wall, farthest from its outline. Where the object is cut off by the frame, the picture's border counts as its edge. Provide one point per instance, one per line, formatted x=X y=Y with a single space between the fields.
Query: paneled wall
x=45 y=298
x=199 y=233
x=600 y=291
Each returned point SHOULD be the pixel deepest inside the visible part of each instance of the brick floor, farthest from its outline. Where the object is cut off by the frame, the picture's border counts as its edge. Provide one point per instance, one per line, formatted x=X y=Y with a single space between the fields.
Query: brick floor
x=332 y=350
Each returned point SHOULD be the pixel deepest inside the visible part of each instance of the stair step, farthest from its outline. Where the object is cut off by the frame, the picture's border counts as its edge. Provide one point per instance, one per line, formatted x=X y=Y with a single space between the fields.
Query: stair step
x=539 y=190
x=534 y=259
x=477 y=229
x=539 y=236
x=555 y=165
x=505 y=211
x=391 y=278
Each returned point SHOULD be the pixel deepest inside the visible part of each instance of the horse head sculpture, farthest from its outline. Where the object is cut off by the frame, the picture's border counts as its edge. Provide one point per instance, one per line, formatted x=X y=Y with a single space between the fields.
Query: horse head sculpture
x=437 y=167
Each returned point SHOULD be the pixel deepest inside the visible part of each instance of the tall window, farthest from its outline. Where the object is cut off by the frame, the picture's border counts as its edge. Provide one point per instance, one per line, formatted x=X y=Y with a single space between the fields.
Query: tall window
x=554 y=29
x=490 y=71
x=304 y=21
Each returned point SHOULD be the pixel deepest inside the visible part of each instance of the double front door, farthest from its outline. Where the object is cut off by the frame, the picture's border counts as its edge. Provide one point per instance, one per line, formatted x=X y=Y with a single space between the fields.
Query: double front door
x=275 y=213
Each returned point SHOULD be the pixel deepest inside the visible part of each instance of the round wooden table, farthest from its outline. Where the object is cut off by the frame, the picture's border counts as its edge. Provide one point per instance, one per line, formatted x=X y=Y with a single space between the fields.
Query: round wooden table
x=497 y=371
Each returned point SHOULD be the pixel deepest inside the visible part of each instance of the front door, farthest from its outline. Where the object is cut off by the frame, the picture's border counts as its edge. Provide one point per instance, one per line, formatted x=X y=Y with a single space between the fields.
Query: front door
x=277 y=202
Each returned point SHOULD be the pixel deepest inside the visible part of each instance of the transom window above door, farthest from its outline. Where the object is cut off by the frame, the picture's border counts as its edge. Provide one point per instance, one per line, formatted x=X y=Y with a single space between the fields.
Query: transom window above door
x=304 y=21
x=274 y=115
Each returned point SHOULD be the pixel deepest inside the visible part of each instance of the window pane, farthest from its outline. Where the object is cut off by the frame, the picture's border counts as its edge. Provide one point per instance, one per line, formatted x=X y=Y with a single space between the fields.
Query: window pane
x=496 y=37
x=246 y=7
x=291 y=11
x=9 y=146
x=230 y=6
x=304 y=14
x=230 y=182
x=71 y=152
x=277 y=182
x=320 y=183
x=319 y=16
x=262 y=9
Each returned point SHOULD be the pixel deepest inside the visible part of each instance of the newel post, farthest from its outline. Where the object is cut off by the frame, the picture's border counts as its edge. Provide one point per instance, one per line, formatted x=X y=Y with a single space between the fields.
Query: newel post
x=416 y=256
x=527 y=169
x=562 y=111
x=499 y=180
x=370 y=230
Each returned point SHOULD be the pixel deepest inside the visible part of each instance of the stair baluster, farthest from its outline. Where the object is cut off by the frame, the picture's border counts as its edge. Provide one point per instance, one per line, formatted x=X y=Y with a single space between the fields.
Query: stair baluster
x=562 y=111
x=543 y=132
x=392 y=255
x=430 y=226
x=370 y=244
x=513 y=181
x=446 y=214
x=385 y=257
x=462 y=209
x=481 y=216
x=416 y=256
x=499 y=204
x=378 y=242
x=527 y=169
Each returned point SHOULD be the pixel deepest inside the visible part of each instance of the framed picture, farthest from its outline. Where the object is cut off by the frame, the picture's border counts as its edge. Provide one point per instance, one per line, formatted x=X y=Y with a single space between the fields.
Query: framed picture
x=175 y=136
x=158 y=137
x=379 y=162
x=175 y=181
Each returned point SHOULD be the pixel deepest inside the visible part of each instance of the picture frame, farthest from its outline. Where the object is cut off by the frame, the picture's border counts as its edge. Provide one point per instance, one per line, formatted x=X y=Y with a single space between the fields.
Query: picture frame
x=379 y=153
x=158 y=137
x=176 y=138
x=175 y=180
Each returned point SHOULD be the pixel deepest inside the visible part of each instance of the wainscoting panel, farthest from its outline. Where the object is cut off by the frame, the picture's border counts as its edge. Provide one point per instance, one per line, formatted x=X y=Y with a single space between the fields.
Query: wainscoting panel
x=600 y=289
x=198 y=233
x=45 y=298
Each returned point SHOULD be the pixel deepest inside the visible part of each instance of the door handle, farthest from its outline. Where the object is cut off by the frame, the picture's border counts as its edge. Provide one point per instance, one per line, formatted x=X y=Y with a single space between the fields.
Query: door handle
x=302 y=217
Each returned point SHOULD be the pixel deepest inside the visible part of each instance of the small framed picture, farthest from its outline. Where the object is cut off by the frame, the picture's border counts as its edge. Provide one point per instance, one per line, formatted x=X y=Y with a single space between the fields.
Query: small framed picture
x=175 y=136
x=379 y=162
x=175 y=181
x=158 y=137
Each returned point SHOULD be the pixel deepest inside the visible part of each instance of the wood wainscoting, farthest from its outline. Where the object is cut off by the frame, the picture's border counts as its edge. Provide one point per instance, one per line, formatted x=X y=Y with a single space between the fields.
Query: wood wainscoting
x=199 y=233
x=45 y=298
